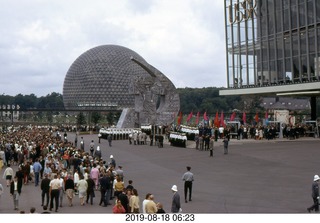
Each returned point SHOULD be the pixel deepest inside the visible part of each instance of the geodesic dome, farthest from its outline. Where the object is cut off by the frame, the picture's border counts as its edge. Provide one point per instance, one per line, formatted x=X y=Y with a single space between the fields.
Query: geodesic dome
x=112 y=77
x=101 y=77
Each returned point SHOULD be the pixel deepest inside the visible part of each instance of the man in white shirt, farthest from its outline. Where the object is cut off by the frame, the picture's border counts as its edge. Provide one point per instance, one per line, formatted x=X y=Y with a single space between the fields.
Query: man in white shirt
x=55 y=186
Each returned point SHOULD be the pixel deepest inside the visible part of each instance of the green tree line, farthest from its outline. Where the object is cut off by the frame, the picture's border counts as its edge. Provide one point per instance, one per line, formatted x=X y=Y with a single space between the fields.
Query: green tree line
x=53 y=100
x=191 y=100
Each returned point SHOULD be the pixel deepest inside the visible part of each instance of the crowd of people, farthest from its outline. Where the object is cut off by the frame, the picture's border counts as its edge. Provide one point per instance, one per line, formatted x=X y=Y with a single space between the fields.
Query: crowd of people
x=42 y=157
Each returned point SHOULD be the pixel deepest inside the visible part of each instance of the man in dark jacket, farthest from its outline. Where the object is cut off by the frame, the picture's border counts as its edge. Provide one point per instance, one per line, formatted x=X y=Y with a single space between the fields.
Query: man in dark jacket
x=15 y=191
x=176 y=205
x=45 y=182
x=315 y=194
x=90 y=189
x=20 y=176
x=105 y=186
x=124 y=200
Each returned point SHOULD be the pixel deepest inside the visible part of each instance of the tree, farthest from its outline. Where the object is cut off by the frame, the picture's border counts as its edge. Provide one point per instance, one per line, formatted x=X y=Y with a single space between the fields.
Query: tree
x=26 y=101
x=53 y=100
x=49 y=117
x=110 y=118
x=81 y=120
x=95 y=117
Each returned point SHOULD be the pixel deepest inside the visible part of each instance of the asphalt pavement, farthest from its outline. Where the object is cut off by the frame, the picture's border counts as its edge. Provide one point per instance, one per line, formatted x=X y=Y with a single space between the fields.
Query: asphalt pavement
x=257 y=176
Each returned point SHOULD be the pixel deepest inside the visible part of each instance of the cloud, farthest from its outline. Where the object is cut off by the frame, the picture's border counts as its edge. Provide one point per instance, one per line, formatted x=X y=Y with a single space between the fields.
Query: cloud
x=40 y=39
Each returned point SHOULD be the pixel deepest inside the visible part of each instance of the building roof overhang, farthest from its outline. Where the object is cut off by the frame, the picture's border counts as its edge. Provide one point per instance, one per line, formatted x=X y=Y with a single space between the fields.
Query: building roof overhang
x=303 y=89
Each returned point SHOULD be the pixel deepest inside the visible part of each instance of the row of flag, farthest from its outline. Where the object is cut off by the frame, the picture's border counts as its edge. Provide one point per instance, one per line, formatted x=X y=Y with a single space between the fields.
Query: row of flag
x=217 y=122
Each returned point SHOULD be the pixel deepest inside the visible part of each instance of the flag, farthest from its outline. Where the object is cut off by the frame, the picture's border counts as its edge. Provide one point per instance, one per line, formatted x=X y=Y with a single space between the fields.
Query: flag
x=233 y=116
x=197 y=119
x=189 y=116
x=256 y=117
x=222 y=119
x=205 y=117
x=267 y=118
x=244 y=118
x=180 y=118
x=216 y=120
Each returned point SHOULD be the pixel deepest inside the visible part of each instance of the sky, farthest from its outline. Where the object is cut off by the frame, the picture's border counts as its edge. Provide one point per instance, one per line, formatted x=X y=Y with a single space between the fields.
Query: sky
x=40 y=39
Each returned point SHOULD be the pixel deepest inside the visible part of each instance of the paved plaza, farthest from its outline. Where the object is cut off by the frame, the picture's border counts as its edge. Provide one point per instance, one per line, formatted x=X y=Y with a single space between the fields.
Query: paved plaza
x=255 y=177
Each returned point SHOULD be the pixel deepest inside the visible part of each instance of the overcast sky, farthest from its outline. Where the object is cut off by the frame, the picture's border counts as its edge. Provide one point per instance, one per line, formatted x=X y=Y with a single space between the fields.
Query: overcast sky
x=40 y=39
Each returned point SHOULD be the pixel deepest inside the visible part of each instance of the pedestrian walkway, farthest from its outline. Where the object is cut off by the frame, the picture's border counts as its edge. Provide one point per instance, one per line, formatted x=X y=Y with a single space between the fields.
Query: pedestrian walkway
x=255 y=177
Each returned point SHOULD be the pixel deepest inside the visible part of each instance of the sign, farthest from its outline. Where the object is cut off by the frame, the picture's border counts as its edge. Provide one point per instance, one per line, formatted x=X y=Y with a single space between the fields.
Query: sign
x=281 y=116
x=242 y=11
x=9 y=107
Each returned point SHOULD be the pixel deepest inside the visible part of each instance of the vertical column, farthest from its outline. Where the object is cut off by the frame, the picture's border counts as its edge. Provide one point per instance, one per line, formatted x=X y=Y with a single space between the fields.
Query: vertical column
x=313 y=103
x=227 y=41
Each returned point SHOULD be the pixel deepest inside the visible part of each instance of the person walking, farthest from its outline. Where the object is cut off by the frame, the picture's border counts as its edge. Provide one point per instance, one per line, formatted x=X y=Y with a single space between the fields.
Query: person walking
x=201 y=142
x=315 y=194
x=105 y=186
x=69 y=187
x=196 y=139
x=37 y=167
x=20 y=175
x=94 y=175
x=1 y=164
x=76 y=179
x=225 y=145
x=110 y=139
x=1 y=190
x=211 y=145
x=188 y=180
x=8 y=174
x=97 y=153
x=76 y=140
x=90 y=190
x=61 y=189
x=54 y=192
x=91 y=148
x=45 y=187
x=112 y=161
x=176 y=205
x=82 y=144
x=82 y=187
x=15 y=191
x=118 y=186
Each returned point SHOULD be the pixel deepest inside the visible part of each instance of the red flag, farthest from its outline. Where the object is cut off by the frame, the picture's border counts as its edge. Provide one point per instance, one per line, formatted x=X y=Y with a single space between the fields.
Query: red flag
x=256 y=117
x=197 y=119
x=244 y=118
x=189 y=116
x=222 y=120
x=216 y=120
x=180 y=118
x=205 y=117
x=233 y=116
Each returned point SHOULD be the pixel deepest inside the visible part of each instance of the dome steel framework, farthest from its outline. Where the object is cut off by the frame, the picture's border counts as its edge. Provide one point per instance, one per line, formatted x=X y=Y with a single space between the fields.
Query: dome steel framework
x=112 y=77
